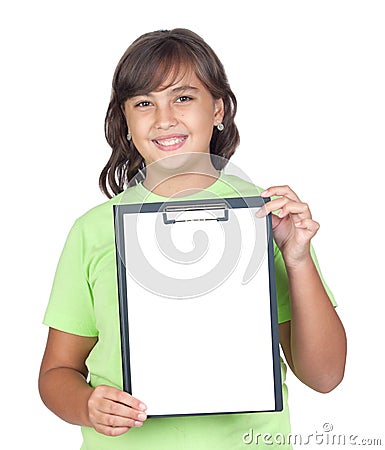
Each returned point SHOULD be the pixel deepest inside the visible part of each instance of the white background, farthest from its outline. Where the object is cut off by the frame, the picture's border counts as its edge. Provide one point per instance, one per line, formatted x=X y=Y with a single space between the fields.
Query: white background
x=309 y=77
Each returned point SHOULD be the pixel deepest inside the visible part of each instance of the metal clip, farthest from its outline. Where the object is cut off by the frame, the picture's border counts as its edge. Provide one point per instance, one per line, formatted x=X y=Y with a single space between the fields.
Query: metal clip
x=196 y=212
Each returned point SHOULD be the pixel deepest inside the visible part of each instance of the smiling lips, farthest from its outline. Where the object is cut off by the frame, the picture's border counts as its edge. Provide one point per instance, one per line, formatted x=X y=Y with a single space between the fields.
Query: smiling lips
x=170 y=143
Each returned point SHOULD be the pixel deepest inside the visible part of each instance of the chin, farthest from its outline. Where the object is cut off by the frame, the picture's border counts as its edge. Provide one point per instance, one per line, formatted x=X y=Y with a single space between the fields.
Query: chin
x=179 y=163
x=175 y=164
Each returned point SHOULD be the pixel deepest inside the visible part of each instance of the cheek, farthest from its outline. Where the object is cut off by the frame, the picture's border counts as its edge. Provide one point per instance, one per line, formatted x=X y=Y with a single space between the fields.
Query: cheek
x=205 y=126
x=138 y=127
x=202 y=119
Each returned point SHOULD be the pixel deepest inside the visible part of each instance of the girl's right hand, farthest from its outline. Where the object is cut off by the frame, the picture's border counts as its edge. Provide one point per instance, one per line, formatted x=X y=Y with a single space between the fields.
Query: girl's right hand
x=113 y=412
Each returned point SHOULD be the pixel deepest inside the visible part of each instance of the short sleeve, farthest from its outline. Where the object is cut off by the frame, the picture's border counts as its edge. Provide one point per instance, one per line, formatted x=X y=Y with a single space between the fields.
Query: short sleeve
x=282 y=284
x=70 y=306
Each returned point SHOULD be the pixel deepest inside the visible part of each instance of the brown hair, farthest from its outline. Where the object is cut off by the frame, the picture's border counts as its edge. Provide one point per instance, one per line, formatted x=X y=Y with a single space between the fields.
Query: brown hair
x=150 y=60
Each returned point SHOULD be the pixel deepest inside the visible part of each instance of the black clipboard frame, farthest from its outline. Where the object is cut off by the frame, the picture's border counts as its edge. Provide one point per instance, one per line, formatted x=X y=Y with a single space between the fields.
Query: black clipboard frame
x=237 y=202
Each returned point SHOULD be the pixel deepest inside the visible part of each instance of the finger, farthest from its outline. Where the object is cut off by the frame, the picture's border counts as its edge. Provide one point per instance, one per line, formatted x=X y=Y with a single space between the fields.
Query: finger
x=111 y=431
x=111 y=420
x=107 y=406
x=116 y=409
x=295 y=208
x=272 y=205
x=285 y=206
x=308 y=224
x=122 y=397
x=280 y=191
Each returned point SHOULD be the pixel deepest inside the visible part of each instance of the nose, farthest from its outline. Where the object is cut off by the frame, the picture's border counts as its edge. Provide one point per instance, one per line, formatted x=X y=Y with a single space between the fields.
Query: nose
x=165 y=117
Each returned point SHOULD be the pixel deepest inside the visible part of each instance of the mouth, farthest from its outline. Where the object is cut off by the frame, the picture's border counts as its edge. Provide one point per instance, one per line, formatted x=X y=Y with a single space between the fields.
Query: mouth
x=170 y=143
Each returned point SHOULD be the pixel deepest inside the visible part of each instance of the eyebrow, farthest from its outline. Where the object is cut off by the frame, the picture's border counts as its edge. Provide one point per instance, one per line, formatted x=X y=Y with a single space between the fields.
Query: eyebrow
x=173 y=91
x=184 y=88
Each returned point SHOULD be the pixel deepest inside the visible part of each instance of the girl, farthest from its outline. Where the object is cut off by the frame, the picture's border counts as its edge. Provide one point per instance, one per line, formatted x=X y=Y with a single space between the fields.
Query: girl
x=171 y=117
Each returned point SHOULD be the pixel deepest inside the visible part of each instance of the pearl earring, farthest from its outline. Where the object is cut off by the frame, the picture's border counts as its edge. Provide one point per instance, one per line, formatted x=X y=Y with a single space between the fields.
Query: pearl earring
x=129 y=136
x=220 y=126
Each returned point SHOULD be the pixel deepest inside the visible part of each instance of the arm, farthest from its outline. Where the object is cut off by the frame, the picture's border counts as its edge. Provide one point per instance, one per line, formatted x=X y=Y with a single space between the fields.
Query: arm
x=314 y=341
x=64 y=389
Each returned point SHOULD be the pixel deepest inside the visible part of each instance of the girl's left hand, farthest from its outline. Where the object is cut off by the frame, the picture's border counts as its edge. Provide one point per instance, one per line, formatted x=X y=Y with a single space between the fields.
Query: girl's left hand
x=293 y=226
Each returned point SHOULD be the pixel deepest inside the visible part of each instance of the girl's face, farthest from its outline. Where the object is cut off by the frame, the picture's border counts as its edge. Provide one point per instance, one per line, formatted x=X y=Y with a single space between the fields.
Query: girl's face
x=177 y=120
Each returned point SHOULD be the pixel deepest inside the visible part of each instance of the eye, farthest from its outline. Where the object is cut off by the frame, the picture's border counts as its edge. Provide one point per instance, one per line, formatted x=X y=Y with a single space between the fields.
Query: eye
x=183 y=99
x=143 y=104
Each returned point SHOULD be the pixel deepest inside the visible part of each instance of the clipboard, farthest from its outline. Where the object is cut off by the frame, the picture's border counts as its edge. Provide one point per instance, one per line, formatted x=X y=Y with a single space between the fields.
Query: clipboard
x=197 y=306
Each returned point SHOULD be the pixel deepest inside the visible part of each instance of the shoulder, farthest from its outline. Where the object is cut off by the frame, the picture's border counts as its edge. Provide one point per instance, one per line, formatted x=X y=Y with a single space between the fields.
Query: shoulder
x=235 y=186
x=97 y=223
x=98 y=212
x=103 y=212
x=96 y=218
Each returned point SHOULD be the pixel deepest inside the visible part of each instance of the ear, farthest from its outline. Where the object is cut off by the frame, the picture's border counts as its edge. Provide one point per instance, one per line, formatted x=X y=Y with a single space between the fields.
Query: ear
x=219 y=111
x=123 y=109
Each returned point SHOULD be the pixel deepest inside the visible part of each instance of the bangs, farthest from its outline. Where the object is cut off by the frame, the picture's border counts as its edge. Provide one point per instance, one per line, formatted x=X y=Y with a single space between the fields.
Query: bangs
x=156 y=69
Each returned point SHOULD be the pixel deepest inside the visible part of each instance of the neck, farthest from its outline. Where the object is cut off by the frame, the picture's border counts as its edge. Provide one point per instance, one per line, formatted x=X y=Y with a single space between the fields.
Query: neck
x=179 y=183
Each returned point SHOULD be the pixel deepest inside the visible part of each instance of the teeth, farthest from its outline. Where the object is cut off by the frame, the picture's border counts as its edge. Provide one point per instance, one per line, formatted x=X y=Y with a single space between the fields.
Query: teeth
x=169 y=142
